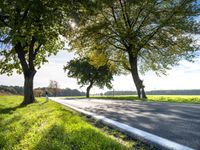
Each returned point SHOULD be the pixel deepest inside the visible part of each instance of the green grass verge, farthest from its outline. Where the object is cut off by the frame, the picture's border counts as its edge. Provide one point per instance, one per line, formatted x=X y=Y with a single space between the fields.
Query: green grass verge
x=49 y=126
x=157 y=98
x=175 y=99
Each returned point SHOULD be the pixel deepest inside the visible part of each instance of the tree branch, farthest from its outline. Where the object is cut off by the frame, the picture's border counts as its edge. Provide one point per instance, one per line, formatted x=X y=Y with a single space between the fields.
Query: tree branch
x=25 y=14
x=117 y=47
x=144 y=18
x=153 y=33
x=31 y=53
x=137 y=17
x=126 y=14
x=21 y=55
x=113 y=14
x=36 y=51
x=123 y=13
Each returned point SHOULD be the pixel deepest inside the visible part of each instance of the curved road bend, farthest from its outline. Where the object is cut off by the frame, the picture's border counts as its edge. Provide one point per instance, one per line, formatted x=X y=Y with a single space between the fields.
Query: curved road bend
x=177 y=122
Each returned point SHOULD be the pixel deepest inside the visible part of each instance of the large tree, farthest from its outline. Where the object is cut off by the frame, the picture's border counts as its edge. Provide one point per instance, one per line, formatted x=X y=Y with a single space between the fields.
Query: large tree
x=141 y=35
x=29 y=33
x=88 y=74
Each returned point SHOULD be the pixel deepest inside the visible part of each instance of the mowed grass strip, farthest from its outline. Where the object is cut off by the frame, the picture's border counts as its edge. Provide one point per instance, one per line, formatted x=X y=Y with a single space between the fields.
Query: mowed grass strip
x=48 y=126
x=175 y=98
x=157 y=98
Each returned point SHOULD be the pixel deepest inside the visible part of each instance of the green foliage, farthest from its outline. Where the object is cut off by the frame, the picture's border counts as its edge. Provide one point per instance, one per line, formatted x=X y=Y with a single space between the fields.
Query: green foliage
x=158 y=33
x=29 y=33
x=48 y=126
x=86 y=73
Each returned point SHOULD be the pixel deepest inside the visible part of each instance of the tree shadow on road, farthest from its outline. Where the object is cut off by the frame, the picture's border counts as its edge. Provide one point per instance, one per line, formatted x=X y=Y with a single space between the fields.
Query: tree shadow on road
x=169 y=121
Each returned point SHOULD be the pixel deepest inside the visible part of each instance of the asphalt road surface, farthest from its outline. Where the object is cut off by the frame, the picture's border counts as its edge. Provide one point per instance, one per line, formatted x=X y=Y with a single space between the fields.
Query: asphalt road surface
x=177 y=122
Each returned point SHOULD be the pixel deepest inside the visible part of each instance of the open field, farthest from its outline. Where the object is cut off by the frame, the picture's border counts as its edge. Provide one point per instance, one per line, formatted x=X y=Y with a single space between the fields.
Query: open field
x=175 y=98
x=194 y=99
x=158 y=98
x=50 y=126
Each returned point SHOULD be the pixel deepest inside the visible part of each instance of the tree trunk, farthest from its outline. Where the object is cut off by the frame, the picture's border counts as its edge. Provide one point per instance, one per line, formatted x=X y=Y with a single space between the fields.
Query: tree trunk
x=134 y=71
x=88 y=90
x=28 y=88
x=27 y=64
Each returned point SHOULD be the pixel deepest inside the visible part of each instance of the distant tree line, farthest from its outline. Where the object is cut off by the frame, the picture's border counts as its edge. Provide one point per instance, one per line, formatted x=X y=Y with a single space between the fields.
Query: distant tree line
x=120 y=93
x=17 y=90
x=156 y=92
x=59 y=92
x=174 y=92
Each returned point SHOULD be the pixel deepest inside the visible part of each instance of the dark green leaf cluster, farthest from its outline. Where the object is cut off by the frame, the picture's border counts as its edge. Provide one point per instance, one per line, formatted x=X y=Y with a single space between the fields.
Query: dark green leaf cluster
x=30 y=32
x=86 y=73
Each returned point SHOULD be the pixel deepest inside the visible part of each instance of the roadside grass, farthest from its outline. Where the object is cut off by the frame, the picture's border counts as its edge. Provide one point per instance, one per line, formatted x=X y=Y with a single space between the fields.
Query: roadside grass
x=50 y=126
x=121 y=137
x=174 y=98
x=195 y=99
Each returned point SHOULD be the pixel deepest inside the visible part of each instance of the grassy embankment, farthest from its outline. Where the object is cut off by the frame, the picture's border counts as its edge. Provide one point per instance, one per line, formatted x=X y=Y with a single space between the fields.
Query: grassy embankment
x=50 y=126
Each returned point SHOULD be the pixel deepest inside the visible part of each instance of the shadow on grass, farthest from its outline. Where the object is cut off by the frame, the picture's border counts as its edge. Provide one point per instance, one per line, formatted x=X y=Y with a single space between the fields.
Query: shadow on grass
x=58 y=137
x=7 y=121
x=10 y=109
x=42 y=103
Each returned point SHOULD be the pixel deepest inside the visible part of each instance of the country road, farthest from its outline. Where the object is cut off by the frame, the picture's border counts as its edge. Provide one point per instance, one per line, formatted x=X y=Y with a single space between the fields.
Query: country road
x=177 y=122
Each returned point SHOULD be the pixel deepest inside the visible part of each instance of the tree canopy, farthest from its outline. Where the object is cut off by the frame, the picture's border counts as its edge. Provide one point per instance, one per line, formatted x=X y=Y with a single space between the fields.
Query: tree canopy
x=29 y=30
x=88 y=74
x=29 y=33
x=139 y=35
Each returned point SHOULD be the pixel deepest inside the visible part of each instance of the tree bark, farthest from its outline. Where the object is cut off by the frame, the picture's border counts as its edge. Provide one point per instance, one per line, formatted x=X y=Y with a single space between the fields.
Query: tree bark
x=28 y=88
x=134 y=71
x=88 y=90
x=28 y=69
